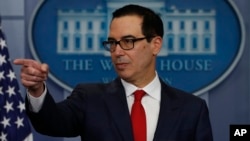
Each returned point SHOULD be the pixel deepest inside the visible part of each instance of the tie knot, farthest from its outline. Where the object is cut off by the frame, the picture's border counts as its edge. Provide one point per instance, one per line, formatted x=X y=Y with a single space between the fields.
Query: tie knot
x=138 y=94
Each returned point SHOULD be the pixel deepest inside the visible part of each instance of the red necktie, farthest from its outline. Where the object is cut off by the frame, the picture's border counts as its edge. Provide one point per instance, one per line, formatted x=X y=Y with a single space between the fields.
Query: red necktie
x=138 y=117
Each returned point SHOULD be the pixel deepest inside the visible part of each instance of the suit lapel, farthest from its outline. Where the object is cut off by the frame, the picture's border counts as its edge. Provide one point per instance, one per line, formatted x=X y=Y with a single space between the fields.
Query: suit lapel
x=169 y=112
x=117 y=105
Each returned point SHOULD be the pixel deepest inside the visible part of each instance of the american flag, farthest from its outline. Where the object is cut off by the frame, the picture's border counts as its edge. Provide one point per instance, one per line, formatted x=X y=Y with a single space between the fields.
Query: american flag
x=14 y=124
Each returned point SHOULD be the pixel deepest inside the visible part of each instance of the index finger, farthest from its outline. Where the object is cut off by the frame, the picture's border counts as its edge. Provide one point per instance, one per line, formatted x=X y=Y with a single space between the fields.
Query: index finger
x=24 y=62
x=31 y=63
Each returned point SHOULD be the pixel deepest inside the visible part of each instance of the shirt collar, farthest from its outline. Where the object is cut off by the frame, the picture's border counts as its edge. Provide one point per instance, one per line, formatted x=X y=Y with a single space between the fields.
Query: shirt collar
x=153 y=89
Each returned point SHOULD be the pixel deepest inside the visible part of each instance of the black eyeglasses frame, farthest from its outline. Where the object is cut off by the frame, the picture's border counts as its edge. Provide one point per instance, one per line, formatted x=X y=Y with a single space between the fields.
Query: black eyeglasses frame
x=104 y=43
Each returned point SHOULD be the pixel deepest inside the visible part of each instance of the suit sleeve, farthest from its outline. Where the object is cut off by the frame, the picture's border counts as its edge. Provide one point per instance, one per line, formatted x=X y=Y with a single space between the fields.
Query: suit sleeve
x=204 y=130
x=57 y=119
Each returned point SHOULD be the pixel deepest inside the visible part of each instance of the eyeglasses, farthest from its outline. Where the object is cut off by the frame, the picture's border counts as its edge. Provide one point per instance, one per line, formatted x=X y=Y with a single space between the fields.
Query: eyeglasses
x=125 y=44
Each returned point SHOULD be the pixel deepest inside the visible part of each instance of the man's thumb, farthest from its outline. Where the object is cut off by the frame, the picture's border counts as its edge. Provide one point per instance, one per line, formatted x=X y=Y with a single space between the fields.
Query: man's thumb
x=45 y=68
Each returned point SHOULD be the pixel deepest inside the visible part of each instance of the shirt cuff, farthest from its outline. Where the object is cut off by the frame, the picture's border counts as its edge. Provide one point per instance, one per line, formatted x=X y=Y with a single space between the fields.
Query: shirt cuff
x=36 y=103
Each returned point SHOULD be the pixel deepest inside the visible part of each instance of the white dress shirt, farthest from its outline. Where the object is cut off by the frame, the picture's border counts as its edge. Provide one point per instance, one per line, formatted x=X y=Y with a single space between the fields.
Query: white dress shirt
x=36 y=102
x=150 y=102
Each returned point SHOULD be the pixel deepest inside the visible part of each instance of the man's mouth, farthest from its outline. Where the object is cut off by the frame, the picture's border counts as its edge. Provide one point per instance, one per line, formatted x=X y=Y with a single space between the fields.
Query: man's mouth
x=121 y=66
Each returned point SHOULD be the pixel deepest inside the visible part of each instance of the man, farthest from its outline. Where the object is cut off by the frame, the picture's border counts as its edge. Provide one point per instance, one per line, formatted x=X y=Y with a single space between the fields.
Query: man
x=101 y=112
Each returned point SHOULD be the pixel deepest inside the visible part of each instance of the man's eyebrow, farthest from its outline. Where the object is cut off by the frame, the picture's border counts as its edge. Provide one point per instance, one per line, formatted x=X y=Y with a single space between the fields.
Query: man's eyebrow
x=123 y=37
x=110 y=38
x=128 y=36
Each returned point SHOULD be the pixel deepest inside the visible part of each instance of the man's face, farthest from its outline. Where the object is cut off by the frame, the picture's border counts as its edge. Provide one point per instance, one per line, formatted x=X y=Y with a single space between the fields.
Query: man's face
x=138 y=64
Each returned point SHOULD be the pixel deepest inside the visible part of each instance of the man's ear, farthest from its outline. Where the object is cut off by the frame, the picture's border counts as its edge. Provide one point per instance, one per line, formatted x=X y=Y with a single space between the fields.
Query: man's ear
x=157 y=44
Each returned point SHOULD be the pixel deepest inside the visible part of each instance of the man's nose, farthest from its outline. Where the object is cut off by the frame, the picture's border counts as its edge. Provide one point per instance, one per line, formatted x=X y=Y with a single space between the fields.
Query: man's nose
x=118 y=49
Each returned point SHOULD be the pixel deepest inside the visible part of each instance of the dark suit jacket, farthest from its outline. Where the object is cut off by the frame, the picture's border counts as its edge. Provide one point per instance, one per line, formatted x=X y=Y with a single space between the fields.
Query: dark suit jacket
x=99 y=112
